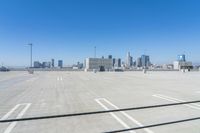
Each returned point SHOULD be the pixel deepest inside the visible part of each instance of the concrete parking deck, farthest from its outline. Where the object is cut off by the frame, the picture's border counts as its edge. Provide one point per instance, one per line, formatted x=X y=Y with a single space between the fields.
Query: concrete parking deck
x=23 y=95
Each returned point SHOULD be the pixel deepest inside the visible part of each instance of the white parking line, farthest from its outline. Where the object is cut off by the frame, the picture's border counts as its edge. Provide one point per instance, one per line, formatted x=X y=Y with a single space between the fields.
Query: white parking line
x=10 y=112
x=124 y=113
x=31 y=80
x=171 y=99
x=20 y=115
x=59 y=78
x=113 y=115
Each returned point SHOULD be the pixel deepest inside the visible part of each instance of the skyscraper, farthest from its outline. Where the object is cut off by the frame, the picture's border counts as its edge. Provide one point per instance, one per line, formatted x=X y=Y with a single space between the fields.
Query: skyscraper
x=37 y=64
x=109 y=56
x=52 y=63
x=145 y=60
x=181 y=58
x=113 y=62
x=46 y=64
x=118 y=62
x=129 y=60
x=60 y=63
x=139 y=62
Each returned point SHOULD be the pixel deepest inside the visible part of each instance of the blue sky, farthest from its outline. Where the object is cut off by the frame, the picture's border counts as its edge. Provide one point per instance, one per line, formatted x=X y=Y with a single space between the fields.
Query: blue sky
x=69 y=29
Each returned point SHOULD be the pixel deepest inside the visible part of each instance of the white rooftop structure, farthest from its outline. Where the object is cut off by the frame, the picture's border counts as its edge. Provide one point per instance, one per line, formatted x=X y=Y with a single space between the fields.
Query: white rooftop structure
x=99 y=64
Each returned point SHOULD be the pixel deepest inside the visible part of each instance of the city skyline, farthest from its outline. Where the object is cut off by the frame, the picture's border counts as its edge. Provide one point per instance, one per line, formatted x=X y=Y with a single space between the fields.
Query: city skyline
x=160 y=29
x=123 y=59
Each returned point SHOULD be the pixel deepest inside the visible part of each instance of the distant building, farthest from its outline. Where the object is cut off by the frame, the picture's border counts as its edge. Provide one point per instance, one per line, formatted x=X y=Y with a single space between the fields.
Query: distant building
x=37 y=64
x=113 y=62
x=123 y=64
x=52 y=63
x=60 y=63
x=84 y=64
x=181 y=63
x=139 y=62
x=99 y=64
x=46 y=64
x=79 y=65
x=145 y=60
x=178 y=65
x=167 y=66
x=129 y=60
x=109 y=56
x=118 y=63
x=181 y=57
x=134 y=63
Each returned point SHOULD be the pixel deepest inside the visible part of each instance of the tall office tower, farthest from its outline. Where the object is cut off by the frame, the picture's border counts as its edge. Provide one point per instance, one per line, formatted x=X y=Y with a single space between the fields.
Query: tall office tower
x=181 y=58
x=129 y=60
x=134 y=63
x=109 y=56
x=60 y=63
x=139 y=62
x=37 y=64
x=46 y=64
x=118 y=63
x=145 y=59
x=52 y=63
x=113 y=62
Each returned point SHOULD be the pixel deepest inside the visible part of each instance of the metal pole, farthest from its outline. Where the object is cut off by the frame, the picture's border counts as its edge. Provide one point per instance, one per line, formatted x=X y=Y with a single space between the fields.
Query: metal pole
x=31 y=52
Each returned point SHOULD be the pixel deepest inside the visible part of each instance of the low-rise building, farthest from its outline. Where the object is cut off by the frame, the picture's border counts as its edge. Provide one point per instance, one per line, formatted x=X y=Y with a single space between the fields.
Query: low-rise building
x=178 y=65
x=99 y=64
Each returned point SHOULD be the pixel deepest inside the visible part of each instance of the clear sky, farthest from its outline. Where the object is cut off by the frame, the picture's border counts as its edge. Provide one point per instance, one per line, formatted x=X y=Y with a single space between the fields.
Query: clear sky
x=69 y=29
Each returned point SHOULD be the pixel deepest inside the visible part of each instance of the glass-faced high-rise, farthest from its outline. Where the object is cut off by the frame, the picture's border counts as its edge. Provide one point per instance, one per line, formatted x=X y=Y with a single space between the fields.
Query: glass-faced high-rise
x=181 y=57
x=145 y=59
x=60 y=63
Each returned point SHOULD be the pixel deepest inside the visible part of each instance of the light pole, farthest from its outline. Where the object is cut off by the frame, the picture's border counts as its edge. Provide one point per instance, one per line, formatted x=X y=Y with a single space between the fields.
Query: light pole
x=31 y=52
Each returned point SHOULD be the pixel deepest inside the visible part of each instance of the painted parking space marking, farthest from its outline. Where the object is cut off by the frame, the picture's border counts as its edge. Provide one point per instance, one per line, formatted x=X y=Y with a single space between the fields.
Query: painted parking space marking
x=31 y=80
x=113 y=115
x=171 y=99
x=122 y=112
x=20 y=115
x=59 y=78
